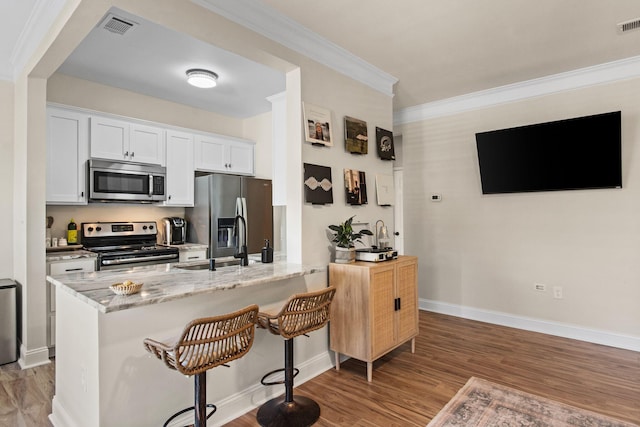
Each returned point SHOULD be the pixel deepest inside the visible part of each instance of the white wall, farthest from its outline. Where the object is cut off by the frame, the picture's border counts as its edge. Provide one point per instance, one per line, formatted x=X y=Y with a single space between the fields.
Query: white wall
x=6 y=177
x=486 y=252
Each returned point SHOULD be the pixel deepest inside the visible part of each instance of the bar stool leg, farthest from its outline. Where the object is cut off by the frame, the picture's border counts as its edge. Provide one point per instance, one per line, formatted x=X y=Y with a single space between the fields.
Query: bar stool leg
x=288 y=411
x=200 y=400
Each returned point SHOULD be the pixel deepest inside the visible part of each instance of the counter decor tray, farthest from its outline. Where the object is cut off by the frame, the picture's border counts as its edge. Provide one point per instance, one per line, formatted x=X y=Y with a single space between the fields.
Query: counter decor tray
x=126 y=288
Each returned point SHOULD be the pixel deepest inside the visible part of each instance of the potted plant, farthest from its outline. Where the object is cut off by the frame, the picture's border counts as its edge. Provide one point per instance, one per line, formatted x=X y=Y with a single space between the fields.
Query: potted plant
x=345 y=238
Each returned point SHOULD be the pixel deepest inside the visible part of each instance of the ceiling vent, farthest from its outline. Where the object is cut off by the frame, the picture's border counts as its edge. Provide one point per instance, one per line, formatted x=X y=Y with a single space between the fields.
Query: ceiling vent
x=117 y=25
x=634 y=24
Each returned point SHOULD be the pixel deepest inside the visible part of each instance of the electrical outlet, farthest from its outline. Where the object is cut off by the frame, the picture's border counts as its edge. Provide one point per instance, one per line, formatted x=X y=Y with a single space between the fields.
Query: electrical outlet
x=539 y=287
x=557 y=292
x=436 y=197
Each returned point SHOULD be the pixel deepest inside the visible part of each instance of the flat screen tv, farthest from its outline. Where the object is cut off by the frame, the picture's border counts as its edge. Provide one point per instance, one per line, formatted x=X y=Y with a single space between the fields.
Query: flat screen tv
x=572 y=154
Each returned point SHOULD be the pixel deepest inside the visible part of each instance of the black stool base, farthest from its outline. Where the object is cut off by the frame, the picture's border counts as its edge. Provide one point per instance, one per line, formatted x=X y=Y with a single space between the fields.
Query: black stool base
x=192 y=408
x=302 y=412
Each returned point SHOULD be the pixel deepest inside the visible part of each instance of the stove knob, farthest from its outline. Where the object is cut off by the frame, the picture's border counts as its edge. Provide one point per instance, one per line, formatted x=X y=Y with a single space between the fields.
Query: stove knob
x=98 y=228
x=151 y=227
x=90 y=229
x=144 y=227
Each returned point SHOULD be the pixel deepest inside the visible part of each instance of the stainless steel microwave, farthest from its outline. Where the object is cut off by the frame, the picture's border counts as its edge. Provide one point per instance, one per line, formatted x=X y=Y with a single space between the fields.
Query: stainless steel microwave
x=113 y=181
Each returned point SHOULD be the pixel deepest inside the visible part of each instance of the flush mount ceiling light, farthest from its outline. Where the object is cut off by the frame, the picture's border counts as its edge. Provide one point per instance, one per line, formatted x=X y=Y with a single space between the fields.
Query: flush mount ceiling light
x=202 y=78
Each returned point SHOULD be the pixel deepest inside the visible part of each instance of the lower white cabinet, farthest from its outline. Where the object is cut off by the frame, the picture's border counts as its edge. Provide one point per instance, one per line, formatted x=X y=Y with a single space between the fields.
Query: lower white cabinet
x=61 y=267
x=192 y=255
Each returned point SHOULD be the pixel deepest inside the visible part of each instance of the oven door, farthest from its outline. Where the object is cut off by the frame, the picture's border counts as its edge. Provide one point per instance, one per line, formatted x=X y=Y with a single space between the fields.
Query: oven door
x=126 y=182
x=107 y=262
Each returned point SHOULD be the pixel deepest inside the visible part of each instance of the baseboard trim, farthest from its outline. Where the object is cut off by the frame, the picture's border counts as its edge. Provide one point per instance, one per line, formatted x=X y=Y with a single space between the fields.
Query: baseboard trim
x=59 y=416
x=610 y=339
x=33 y=358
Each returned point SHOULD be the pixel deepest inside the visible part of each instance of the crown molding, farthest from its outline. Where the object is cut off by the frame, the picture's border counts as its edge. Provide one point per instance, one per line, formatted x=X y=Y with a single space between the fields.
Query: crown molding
x=42 y=16
x=609 y=72
x=268 y=22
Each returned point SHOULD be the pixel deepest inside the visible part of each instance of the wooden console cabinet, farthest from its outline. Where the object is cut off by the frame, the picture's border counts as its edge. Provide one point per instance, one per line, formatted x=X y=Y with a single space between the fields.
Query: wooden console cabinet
x=375 y=308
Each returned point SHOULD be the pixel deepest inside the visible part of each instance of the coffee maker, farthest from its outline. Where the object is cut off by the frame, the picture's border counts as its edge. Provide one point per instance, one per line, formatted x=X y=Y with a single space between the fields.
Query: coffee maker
x=173 y=231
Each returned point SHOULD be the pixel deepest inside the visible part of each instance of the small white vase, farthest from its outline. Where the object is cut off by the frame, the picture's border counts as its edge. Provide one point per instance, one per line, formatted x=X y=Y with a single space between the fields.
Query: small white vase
x=345 y=255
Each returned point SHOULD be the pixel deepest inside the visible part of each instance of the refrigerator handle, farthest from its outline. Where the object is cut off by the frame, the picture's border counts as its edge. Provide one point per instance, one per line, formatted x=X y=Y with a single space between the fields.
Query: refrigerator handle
x=246 y=221
x=240 y=210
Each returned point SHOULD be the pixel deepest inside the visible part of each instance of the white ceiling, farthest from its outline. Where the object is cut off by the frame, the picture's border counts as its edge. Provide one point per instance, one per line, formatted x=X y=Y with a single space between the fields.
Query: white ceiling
x=437 y=49
x=152 y=60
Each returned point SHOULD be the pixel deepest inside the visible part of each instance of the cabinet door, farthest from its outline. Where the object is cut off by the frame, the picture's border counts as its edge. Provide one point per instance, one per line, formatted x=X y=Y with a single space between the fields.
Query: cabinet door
x=67 y=153
x=210 y=154
x=146 y=144
x=240 y=158
x=407 y=292
x=109 y=139
x=180 y=177
x=383 y=310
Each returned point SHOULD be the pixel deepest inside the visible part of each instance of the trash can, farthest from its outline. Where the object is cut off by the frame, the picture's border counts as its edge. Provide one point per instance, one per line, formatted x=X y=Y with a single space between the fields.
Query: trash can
x=8 y=322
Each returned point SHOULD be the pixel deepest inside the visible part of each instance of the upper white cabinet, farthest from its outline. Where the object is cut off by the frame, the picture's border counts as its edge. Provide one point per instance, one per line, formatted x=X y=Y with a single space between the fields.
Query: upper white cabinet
x=217 y=153
x=67 y=154
x=180 y=174
x=120 y=140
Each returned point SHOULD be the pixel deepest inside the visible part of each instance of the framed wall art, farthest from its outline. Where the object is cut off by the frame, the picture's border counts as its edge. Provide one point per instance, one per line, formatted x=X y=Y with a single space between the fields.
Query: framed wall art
x=318 y=188
x=317 y=129
x=384 y=144
x=355 y=184
x=385 y=191
x=355 y=135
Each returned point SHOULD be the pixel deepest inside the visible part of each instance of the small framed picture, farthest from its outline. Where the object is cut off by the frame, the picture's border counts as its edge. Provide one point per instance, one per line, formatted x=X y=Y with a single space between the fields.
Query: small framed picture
x=318 y=188
x=385 y=190
x=317 y=129
x=384 y=144
x=355 y=184
x=355 y=135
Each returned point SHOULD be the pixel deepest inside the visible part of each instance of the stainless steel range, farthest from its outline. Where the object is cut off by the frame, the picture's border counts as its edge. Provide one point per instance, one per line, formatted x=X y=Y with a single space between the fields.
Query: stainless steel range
x=125 y=244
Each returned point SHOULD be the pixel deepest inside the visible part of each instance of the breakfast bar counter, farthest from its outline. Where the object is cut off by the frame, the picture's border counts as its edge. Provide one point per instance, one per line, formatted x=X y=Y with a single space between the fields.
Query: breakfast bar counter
x=166 y=282
x=104 y=376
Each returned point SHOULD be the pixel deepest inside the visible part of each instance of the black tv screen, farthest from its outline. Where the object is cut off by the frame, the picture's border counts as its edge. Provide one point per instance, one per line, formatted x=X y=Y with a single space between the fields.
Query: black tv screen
x=572 y=154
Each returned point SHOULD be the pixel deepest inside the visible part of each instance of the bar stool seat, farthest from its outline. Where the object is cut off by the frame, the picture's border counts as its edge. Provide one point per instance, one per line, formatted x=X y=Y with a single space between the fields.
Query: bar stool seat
x=204 y=344
x=301 y=314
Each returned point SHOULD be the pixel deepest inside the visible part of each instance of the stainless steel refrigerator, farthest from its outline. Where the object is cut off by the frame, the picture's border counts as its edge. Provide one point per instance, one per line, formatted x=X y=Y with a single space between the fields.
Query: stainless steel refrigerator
x=219 y=199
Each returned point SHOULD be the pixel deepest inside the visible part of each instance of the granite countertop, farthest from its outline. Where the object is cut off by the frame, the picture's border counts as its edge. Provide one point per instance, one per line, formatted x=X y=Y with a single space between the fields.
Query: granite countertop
x=166 y=282
x=71 y=254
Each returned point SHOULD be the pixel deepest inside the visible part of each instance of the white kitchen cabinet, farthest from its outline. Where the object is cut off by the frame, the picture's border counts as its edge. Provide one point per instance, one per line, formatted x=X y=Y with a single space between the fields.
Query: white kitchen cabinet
x=180 y=173
x=147 y=144
x=192 y=255
x=217 y=153
x=61 y=267
x=120 y=140
x=67 y=154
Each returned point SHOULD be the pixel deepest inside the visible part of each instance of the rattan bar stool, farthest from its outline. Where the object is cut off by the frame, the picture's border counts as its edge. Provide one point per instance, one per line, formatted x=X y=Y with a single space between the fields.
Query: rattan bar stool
x=302 y=313
x=204 y=344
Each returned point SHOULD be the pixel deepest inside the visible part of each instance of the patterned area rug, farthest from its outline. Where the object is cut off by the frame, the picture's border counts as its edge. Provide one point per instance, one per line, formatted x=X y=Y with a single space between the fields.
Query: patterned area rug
x=482 y=403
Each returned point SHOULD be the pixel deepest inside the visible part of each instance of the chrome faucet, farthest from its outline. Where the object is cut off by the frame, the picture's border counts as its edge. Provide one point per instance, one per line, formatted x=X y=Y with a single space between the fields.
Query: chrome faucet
x=241 y=250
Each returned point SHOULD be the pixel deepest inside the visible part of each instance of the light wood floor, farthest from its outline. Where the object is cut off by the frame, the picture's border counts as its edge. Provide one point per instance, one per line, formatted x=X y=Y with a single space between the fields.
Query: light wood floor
x=409 y=389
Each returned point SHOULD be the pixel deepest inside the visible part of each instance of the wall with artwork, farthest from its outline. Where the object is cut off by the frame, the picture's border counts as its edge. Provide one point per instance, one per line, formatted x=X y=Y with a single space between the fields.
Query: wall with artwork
x=341 y=159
